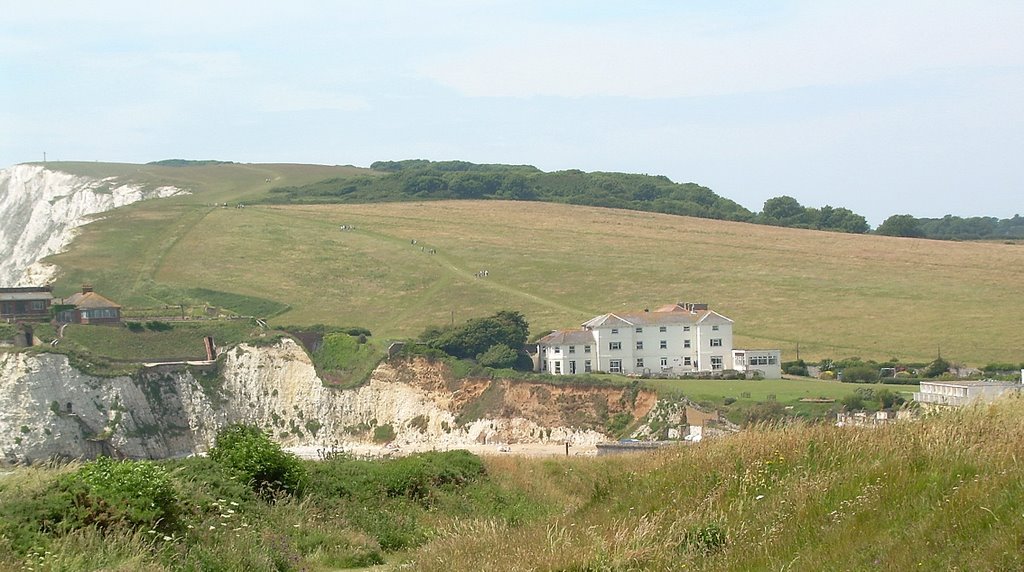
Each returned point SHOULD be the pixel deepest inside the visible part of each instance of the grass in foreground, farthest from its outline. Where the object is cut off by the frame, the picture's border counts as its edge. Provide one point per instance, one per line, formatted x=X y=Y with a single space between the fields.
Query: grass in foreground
x=942 y=493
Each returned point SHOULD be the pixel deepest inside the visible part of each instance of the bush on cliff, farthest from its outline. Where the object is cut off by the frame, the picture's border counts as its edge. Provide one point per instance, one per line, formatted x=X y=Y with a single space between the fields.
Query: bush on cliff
x=250 y=455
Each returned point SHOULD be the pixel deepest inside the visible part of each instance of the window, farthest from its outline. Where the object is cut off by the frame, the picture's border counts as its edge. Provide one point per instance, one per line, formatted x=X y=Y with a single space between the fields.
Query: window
x=687 y=361
x=714 y=328
x=639 y=363
x=572 y=349
x=716 y=342
x=663 y=329
x=615 y=366
x=615 y=330
x=686 y=328
x=664 y=362
x=686 y=343
x=716 y=362
x=572 y=366
x=558 y=367
x=639 y=344
x=586 y=366
x=544 y=365
x=639 y=330
x=663 y=344
x=762 y=360
x=615 y=345
x=586 y=349
x=37 y=305
x=558 y=349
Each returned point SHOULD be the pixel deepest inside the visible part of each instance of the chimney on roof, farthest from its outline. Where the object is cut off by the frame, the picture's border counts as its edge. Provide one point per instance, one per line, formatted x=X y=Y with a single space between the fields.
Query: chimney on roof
x=86 y=288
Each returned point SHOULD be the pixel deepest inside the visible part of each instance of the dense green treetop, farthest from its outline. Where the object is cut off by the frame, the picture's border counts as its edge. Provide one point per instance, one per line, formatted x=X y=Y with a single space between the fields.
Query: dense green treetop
x=420 y=179
x=901 y=225
x=427 y=180
x=787 y=211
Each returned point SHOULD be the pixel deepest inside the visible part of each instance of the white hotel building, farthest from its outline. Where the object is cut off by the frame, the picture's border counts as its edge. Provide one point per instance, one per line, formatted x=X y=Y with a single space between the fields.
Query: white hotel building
x=678 y=339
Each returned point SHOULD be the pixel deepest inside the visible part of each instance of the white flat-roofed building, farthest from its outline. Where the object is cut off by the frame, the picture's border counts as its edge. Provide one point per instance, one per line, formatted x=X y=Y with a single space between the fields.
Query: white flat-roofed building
x=960 y=393
x=677 y=339
x=766 y=363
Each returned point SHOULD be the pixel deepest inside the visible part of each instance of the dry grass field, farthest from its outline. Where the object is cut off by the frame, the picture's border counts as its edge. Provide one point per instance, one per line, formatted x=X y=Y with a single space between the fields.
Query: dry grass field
x=836 y=295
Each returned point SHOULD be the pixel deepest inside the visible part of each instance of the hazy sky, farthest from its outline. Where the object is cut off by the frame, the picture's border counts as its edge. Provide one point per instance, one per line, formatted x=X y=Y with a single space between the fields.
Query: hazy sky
x=883 y=107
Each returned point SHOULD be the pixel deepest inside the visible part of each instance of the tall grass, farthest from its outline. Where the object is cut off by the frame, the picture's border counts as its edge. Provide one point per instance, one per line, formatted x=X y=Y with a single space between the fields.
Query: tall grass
x=943 y=493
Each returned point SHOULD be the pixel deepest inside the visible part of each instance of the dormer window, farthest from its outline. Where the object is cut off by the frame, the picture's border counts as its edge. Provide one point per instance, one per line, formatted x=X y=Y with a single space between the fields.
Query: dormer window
x=615 y=330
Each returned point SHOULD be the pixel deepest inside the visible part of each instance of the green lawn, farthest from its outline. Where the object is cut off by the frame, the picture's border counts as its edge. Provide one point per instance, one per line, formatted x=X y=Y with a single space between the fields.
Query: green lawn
x=183 y=341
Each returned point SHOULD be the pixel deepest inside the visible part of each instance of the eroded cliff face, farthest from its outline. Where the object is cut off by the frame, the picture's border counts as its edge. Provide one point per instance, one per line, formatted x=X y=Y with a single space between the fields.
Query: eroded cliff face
x=40 y=208
x=48 y=408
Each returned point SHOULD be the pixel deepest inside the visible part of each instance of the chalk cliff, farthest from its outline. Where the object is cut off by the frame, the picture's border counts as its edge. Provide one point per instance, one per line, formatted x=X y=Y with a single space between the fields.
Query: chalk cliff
x=40 y=209
x=48 y=408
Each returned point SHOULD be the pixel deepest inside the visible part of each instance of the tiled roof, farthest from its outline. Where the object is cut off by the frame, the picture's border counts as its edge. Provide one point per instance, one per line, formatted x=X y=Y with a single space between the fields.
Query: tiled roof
x=565 y=337
x=673 y=314
x=90 y=300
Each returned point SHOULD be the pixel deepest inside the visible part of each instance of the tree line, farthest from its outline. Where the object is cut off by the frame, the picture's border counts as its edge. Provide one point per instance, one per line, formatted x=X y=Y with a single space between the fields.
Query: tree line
x=419 y=179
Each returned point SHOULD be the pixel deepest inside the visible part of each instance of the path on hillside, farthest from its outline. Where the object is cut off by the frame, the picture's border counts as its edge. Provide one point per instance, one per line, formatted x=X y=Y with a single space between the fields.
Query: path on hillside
x=454 y=271
x=185 y=223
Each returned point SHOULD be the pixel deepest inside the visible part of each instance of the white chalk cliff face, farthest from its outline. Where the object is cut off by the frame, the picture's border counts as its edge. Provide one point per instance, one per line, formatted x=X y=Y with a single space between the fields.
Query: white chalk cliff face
x=48 y=408
x=41 y=208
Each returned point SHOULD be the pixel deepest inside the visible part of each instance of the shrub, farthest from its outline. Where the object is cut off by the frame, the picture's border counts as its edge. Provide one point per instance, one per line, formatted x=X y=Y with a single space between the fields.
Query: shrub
x=798 y=367
x=936 y=368
x=860 y=374
x=134 y=326
x=107 y=493
x=498 y=356
x=827 y=375
x=251 y=456
x=852 y=402
x=729 y=401
x=887 y=399
x=158 y=326
x=383 y=434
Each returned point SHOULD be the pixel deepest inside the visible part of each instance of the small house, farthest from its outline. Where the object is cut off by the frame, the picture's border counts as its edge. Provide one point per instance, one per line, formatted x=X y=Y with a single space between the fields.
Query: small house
x=28 y=303
x=89 y=308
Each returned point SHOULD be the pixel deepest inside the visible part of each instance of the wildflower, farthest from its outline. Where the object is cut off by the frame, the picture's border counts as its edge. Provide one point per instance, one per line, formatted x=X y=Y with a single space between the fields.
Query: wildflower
x=759 y=497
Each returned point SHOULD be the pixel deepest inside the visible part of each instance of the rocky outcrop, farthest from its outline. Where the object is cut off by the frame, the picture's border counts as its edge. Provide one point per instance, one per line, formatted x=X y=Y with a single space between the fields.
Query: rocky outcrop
x=48 y=408
x=40 y=209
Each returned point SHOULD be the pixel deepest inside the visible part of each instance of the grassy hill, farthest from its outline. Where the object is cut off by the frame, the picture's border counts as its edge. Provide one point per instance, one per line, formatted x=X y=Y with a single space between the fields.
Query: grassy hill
x=835 y=295
x=942 y=493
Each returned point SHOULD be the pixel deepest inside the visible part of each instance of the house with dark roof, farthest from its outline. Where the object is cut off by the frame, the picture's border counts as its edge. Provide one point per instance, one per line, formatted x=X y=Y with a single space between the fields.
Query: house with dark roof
x=89 y=308
x=677 y=339
x=28 y=303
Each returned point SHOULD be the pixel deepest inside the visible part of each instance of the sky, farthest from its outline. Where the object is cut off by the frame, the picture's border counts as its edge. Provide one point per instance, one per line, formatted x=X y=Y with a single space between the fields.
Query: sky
x=883 y=107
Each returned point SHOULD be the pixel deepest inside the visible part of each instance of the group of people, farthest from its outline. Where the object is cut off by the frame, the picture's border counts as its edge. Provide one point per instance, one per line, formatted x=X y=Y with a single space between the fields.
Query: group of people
x=423 y=248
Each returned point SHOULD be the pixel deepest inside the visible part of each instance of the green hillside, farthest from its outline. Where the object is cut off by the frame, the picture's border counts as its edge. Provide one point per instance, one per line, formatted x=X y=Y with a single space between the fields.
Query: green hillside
x=834 y=294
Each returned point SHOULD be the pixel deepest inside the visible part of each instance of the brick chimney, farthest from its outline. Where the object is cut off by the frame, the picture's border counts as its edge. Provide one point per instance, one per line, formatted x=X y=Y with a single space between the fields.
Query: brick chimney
x=86 y=288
